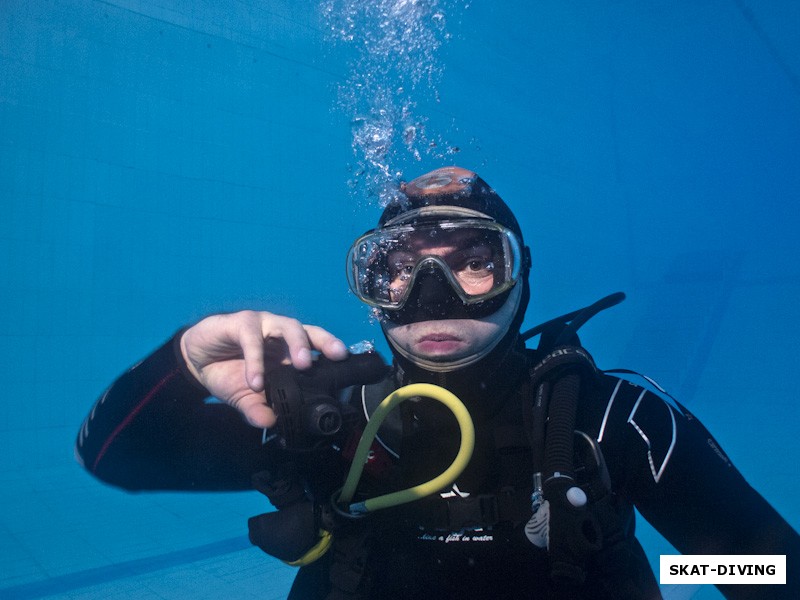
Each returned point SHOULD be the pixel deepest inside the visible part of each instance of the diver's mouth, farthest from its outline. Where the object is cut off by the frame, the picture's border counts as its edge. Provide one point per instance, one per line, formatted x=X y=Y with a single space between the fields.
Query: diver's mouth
x=439 y=343
x=438 y=337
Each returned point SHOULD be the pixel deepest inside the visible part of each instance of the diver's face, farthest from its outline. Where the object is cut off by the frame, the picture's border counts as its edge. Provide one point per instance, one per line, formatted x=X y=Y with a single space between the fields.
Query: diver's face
x=450 y=340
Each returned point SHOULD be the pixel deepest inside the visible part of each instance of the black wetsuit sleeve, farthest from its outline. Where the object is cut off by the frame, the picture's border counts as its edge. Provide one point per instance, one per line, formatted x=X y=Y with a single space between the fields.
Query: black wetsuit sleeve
x=155 y=429
x=682 y=482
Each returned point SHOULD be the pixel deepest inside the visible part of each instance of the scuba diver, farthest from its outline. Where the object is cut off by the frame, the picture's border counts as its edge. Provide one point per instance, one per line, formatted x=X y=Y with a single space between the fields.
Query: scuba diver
x=558 y=452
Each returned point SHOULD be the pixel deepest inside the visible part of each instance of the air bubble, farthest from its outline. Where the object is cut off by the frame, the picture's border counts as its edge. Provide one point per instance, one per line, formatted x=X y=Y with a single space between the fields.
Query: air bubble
x=396 y=67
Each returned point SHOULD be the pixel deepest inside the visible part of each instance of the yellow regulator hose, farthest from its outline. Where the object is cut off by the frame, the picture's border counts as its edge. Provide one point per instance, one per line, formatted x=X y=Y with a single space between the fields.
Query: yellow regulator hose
x=433 y=486
x=424 y=489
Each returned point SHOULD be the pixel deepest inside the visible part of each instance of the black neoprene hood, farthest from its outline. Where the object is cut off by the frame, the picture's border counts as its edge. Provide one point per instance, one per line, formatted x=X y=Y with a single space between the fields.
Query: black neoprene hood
x=452 y=186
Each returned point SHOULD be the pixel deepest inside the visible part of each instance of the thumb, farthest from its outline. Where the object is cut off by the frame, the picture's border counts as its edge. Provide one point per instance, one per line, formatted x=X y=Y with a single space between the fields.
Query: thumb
x=254 y=408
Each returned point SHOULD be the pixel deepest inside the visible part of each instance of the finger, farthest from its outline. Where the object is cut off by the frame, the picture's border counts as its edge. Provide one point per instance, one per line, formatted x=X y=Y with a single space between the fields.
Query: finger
x=187 y=359
x=327 y=343
x=294 y=335
x=255 y=410
x=252 y=344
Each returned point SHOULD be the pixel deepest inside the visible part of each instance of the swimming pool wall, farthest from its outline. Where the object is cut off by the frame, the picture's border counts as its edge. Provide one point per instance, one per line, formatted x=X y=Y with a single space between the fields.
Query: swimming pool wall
x=160 y=161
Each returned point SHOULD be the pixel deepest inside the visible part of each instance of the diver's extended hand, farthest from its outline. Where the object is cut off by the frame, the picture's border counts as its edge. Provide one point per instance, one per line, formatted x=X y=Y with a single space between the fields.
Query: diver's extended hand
x=231 y=354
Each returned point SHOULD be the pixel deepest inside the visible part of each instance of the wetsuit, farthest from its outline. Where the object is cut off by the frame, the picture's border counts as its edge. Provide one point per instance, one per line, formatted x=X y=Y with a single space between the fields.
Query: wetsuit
x=156 y=429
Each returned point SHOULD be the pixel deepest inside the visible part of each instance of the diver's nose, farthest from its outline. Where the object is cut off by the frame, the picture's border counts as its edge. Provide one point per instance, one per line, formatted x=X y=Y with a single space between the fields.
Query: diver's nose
x=434 y=294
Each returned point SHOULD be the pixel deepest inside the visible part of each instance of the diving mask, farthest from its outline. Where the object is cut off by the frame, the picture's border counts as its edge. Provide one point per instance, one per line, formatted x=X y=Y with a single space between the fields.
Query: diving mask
x=478 y=257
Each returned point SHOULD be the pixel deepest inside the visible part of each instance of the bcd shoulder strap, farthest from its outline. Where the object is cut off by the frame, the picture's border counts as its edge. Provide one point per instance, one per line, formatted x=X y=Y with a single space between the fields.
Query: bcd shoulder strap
x=562 y=368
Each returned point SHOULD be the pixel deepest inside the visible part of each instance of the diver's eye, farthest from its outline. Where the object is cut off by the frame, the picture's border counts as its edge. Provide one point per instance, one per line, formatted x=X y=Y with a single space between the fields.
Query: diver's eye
x=402 y=270
x=477 y=265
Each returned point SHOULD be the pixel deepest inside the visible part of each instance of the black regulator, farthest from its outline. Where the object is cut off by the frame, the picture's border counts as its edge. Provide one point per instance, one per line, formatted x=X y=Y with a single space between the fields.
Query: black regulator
x=309 y=416
x=307 y=402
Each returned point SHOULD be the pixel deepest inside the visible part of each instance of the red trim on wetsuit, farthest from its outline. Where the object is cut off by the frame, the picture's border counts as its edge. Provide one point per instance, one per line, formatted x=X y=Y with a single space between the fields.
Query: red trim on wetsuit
x=131 y=416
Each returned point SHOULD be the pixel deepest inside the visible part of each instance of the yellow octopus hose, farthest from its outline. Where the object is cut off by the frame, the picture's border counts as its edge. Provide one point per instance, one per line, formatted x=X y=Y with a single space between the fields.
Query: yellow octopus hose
x=442 y=481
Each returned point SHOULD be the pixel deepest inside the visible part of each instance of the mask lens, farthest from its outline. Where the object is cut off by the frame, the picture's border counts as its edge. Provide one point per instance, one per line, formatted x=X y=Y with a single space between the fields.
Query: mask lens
x=479 y=259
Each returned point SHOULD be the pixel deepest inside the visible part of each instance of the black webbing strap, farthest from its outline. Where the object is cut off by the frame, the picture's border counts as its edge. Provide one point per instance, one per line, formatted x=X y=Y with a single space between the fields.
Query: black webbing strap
x=472 y=512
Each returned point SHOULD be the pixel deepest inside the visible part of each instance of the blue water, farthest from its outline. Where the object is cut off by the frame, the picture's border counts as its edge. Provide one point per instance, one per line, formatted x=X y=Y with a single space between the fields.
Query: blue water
x=160 y=161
